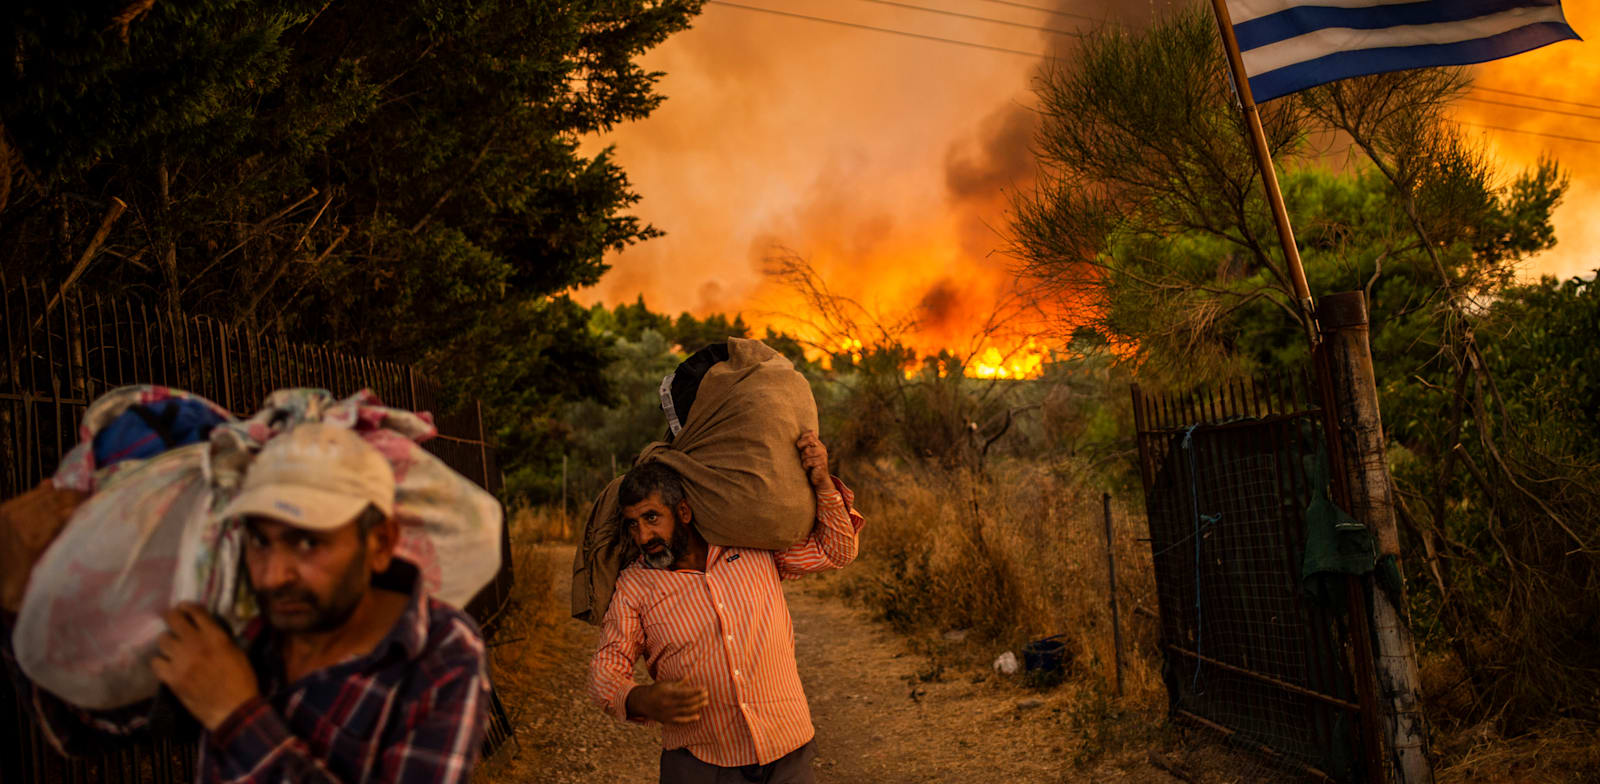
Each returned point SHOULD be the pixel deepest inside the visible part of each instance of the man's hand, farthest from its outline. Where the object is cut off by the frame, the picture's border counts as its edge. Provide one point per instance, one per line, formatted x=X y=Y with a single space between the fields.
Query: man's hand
x=202 y=666
x=28 y=524
x=668 y=702
x=814 y=456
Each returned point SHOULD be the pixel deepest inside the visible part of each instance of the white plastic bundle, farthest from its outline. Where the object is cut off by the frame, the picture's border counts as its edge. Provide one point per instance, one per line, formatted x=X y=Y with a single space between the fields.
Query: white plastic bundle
x=150 y=537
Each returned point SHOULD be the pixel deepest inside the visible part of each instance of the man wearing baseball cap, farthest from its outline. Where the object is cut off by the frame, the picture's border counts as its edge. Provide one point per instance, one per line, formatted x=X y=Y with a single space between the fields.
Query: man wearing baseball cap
x=352 y=673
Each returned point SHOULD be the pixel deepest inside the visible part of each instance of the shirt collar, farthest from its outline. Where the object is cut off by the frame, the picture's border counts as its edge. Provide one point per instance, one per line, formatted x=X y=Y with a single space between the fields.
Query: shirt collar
x=713 y=552
x=410 y=633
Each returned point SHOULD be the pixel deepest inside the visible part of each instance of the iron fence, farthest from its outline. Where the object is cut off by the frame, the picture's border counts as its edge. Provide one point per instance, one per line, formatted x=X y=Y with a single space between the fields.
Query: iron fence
x=62 y=352
x=1228 y=480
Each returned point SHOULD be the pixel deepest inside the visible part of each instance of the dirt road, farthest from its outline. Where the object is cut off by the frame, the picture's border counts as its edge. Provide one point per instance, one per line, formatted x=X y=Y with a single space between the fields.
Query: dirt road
x=882 y=713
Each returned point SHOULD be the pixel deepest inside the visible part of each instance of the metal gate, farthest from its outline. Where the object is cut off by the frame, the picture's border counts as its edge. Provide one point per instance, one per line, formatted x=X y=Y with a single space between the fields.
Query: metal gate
x=1246 y=652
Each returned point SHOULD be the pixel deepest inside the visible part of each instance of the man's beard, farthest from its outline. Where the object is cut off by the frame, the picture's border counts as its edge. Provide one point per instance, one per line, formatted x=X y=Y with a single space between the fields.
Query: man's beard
x=324 y=615
x=670 y=552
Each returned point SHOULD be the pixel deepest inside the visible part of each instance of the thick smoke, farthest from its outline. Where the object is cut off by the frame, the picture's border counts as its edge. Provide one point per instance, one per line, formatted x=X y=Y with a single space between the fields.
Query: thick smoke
x=998 y=159
x=889 y=163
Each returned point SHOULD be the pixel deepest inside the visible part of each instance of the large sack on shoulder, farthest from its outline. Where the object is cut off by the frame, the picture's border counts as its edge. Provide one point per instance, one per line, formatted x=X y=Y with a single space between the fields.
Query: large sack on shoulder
x=28 y=524
x=153 y=534
x=736 y=453
x=93 y=605
x=93 y=608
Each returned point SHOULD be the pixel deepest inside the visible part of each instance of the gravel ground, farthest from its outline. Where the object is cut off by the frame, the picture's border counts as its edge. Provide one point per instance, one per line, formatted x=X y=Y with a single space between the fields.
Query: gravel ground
x=883 y=713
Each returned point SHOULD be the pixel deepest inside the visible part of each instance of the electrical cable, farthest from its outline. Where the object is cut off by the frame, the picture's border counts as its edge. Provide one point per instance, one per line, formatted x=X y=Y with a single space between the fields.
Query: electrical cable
x=1529 y=133
x=1539 y=97
x=1068 y=14
x=888 y=30
x=1531 y=108
x=1006 y=50
x=1008 y=23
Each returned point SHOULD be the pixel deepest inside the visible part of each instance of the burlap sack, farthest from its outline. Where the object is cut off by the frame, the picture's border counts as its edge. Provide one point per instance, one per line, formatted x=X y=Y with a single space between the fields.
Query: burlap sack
x=28 y=524
x=739 y=464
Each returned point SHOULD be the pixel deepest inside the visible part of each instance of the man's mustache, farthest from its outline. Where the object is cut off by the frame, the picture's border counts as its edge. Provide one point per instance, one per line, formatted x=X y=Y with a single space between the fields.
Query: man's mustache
x=287 y=593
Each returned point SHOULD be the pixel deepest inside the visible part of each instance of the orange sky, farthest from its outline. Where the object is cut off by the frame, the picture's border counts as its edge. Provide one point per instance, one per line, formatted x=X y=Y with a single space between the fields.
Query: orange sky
x=886 y=161
x=1570 y=71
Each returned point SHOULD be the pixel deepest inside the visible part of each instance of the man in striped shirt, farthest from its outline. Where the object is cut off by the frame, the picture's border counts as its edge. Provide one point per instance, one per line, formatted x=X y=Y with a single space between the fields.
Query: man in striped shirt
x=714 y=627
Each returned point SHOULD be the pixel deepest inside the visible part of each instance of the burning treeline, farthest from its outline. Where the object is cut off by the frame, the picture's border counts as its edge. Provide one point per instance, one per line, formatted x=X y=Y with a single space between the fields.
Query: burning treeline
x=891 y=165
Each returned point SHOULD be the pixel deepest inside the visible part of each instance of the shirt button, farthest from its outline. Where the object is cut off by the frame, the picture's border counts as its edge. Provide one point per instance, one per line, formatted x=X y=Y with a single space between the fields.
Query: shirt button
x=730 y=638
x=719 y=605
x=735 y=672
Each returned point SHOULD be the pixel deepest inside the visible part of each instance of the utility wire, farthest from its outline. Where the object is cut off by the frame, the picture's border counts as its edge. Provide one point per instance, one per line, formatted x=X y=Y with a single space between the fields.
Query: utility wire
x=1532 y=108
x=990 y=20
x=1540 y=97
x=1069 y=14
x=888 y=30
x=1530 y=133
x=939 y=39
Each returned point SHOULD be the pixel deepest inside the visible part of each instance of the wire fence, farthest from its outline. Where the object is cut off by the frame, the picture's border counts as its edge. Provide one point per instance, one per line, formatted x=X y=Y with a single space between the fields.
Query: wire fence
x=1228 y=479
x=62 y=352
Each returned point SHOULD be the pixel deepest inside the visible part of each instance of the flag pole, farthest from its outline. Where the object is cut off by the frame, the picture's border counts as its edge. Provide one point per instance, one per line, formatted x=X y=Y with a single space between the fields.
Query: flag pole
x=1269 y=177
x=1394 y=661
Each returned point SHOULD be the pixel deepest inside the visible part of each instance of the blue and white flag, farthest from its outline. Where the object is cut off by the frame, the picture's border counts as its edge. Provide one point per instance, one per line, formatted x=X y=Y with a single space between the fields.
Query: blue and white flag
x=1290 y=45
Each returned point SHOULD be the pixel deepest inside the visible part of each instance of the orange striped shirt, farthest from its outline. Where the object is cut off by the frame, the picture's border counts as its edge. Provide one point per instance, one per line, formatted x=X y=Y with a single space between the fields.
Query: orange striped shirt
x=727 y=630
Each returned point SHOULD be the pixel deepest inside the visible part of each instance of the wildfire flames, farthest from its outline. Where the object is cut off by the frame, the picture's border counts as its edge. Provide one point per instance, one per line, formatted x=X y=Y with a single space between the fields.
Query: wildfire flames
x=1025 y=362
x=894 y=180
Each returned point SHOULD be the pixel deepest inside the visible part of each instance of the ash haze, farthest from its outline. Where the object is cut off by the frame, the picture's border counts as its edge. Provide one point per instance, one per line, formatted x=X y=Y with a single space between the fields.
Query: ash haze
x=888 y=162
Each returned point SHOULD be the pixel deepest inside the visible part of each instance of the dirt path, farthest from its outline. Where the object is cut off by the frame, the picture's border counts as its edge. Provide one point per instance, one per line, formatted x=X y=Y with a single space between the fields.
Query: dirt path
x=882 y=713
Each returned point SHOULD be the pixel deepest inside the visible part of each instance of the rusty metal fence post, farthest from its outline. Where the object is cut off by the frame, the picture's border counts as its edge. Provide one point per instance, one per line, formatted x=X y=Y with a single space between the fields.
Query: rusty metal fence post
x=1111 y=576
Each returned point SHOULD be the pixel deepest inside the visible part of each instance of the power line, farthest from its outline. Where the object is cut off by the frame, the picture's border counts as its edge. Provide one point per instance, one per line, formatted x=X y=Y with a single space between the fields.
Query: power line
x=970 y=44
x=888 y=30
x=990 y=20
x=1069 y=14
x=1531 y=108
x=1539 y=97
x=1530 y=133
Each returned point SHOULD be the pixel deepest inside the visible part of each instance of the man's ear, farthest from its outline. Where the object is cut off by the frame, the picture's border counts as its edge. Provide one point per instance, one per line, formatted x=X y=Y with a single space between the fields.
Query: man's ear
x=381 y=542
x=685 y=514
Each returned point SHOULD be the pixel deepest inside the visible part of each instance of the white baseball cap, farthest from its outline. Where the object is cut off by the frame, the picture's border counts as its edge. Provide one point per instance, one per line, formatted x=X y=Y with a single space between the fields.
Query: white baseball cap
x=315 y=476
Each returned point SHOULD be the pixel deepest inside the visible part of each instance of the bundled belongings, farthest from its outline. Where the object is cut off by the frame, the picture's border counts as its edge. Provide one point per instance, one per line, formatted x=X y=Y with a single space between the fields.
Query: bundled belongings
x=734 y=411
x=151 y=532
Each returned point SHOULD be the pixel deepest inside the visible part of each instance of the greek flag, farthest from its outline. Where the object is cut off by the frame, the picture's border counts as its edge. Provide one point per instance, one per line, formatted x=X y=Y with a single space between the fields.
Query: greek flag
x=1290 y=45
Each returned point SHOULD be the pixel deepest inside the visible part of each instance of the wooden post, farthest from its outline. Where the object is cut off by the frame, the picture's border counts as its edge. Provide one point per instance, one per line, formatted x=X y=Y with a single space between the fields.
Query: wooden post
x=483 y=444
x=1343 y=320
x=1111 y=572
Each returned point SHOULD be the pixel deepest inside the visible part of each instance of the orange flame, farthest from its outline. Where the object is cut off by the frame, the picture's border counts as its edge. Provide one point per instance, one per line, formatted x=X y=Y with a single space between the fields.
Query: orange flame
x=1027 y=361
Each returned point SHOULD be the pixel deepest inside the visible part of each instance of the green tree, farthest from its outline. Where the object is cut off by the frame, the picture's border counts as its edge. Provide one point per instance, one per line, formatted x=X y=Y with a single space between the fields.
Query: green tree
x=401 y=180
x=628 y=320
x=693 y=334
x=1151 y=213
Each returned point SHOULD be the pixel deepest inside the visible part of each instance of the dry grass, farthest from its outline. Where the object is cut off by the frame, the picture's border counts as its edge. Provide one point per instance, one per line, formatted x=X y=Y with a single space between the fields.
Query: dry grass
x=1021 y=554
x=1008 y=558
x=969 y=566
x=1557 y=750
x=531 y=525
x=1562 y=751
